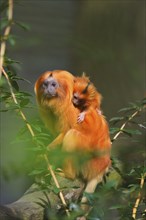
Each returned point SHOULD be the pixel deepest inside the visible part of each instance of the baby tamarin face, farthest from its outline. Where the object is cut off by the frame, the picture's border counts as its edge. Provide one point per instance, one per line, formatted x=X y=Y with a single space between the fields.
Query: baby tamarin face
x=85 y=94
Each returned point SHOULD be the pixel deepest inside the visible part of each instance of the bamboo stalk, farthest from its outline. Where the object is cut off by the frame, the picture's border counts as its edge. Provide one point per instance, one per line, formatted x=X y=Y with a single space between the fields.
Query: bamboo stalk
x=137 y=202
x=6 y=34
x=124 y=125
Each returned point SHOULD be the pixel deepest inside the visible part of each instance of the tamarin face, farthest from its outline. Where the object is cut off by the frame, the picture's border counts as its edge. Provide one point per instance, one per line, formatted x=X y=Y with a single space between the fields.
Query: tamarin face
x=49 y=86
x=84 y=93
x=53 y=85
x=80 y=98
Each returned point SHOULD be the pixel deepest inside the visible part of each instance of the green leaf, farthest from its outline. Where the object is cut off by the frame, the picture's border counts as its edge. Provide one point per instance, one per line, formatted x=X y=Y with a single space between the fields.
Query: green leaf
x=116 y=119
x=35 y=149
x=37 y=172
x=4 y=23
x=24 y=102
x=15 y=85
x=126 y=109
x=4 y=110
x=114 y=130
x=37 y=128
x=10 y=61
x=23 y=25
x=111 y=184
x=117 y=207
x=131 y=188
x=11 y=40
x=22 y=95
x=3 y=6
x=144 y=101
x=5 y=96
x=41 y=136
x=131 y=132
x=20 y=78
x=56 y=190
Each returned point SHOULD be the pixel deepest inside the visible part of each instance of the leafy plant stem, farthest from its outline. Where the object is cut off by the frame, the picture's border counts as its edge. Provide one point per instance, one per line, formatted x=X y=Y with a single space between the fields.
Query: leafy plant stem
x=137 y=202
x=6 y=34
x=136 y=205
x=33 y=135
x=57 y=184
x=124 y=125
x=16 y=102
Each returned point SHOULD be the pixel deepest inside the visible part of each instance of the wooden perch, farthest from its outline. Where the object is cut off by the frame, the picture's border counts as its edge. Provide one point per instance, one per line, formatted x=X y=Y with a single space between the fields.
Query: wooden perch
x=28 y=206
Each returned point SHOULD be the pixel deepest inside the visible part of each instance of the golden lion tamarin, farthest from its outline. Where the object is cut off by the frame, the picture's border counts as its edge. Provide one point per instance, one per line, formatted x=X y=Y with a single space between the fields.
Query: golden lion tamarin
x=70 y=109
x=54 y=91
x=89 y=137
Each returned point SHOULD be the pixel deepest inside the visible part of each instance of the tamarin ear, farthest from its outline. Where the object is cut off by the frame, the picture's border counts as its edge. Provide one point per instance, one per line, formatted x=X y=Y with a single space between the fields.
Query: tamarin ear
x=83 y=74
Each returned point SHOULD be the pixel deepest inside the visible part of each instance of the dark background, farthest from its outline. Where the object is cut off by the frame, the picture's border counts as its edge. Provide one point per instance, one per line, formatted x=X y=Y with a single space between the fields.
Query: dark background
x=105 y=39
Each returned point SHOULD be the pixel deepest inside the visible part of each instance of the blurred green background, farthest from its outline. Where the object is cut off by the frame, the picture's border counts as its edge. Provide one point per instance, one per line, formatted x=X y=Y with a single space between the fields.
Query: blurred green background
x=105 y=39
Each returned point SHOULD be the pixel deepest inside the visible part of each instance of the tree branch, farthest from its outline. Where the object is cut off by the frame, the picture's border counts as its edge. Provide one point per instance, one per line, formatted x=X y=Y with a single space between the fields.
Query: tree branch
x=31 y=205
x=124 y=125
x=6 y=34
x=137 y=202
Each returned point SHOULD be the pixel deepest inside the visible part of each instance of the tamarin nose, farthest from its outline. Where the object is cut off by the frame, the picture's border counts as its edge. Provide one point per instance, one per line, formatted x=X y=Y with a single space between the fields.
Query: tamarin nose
x=51 y=83
x=75 y=96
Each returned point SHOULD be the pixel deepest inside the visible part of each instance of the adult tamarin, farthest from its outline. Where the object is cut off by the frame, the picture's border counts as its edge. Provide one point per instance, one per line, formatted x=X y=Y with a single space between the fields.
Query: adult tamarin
x=54 y=91
x=89 y=138
x=84 y=127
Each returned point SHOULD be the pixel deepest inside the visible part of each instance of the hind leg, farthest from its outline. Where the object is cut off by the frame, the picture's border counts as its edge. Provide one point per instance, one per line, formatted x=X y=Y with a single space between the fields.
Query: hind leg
x=91 y=186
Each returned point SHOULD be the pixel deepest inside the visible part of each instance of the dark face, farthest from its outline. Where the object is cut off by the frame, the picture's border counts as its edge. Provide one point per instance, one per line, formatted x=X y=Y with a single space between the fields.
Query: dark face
x=77 y=101
x=80 y=96
x=49 y=87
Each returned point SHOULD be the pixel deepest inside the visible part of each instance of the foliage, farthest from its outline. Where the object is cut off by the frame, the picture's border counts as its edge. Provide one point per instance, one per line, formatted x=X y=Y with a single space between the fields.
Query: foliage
x=114 y=198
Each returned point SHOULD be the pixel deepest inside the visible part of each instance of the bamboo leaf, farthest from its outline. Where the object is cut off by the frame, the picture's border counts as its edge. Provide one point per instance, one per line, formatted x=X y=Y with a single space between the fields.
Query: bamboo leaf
x=114 y=130
x=116 y=119
x=23 y=25
x=24 y=102
x=131 y=132
x=36 y=172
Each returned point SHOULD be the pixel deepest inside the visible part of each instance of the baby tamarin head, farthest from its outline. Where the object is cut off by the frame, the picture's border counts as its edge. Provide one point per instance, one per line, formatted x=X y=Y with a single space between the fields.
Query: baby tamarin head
x=85 y=94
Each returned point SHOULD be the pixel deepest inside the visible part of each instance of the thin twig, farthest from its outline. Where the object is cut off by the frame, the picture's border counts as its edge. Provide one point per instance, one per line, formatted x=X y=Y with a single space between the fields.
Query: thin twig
x=16 y=102
x=137 y=202
x=57 y=185
x=124 y=125
x=6 y=34
x=32 y=134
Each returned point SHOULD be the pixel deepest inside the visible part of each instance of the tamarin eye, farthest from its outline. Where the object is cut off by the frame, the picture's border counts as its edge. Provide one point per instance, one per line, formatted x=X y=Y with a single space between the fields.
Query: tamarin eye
x=45 y=83
x=54 y=84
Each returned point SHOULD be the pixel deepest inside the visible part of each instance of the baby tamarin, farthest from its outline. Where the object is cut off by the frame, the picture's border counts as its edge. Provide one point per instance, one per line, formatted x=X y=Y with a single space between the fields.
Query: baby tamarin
x=54 y=97
x=90 y=136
